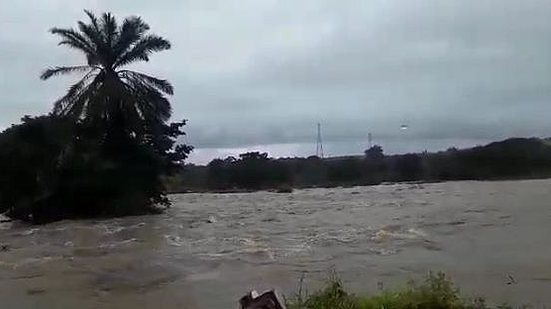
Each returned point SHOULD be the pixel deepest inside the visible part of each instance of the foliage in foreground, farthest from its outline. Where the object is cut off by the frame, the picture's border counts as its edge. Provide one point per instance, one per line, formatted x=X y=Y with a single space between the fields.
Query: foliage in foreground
x=436 y=292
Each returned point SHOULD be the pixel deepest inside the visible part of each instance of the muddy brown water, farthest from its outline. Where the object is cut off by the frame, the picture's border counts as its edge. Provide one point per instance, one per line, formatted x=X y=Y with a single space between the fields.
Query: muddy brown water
x=493 y=238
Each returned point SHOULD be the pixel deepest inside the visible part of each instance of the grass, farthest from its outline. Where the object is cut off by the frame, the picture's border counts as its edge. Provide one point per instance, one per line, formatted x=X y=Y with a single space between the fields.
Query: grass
x=437 y=291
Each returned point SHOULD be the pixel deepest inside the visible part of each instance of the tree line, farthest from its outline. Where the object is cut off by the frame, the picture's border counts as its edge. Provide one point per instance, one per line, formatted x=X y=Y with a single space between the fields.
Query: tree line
x=508 y=159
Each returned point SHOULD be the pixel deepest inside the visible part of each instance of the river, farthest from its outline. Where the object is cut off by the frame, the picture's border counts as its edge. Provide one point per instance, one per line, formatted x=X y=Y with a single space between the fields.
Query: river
x=492 y=238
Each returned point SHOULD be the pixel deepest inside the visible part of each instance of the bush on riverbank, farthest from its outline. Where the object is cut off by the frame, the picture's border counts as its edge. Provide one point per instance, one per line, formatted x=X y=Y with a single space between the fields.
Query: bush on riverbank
x=53 y=170
x=436 y=292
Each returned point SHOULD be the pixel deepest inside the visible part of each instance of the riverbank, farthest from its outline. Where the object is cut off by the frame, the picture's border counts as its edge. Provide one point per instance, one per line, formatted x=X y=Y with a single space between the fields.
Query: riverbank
x=290 y=189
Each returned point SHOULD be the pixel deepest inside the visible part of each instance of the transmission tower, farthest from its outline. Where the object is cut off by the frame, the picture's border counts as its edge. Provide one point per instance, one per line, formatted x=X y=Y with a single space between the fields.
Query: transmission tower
x=370 y=139
x=319 y=144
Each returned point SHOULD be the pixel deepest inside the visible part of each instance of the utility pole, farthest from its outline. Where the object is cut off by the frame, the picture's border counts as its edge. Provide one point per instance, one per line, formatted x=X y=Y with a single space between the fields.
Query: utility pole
x=319 y=144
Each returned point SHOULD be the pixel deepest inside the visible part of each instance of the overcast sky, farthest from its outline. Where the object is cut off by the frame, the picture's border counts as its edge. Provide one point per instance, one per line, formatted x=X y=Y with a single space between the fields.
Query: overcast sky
x=259 y=75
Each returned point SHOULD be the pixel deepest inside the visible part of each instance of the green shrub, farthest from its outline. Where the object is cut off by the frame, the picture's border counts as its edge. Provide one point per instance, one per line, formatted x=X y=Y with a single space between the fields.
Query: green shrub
x=333 y=296
x=436 y=292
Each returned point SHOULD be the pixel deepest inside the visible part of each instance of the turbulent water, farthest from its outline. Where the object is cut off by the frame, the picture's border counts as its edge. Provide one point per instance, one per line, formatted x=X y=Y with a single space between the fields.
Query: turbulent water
x=493 y=238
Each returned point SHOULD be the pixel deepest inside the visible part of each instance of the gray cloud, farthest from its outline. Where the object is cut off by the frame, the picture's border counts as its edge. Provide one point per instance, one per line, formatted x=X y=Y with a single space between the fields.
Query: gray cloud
x=258 y=73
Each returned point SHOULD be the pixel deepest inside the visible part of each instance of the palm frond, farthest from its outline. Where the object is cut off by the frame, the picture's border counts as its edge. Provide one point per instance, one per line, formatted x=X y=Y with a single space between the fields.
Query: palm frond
x=93 y=35
x=137 y=122
x=143 y=49
x=159 y=84
x=78 y=96
x=132 y=29
x=73 y=39
x=64 y=70
x=93 y=20
x=96 y=105
x=94 y=31
x=109 y=28
x=77 y=88
x=151 y=103
x=155 y=106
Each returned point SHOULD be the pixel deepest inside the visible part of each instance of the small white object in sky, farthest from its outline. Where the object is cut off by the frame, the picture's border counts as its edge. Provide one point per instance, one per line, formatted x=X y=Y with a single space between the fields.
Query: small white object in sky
x=404 y=127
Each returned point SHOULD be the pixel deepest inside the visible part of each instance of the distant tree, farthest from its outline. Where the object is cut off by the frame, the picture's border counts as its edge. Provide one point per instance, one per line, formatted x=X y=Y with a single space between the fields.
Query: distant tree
x=253 y=156
x=409 y=167
x=218 y=174
x=311 y=171
x=348 y=170
x=374 y=153
x=229 y=160
x=251 y=170
x=374 y=165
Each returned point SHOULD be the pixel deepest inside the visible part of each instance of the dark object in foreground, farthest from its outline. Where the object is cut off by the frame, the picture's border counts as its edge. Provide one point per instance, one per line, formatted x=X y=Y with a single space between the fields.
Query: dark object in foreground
x=268 y=300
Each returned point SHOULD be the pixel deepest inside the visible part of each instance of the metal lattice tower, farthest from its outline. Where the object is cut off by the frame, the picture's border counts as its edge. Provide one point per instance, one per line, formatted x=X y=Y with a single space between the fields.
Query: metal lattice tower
x=319 y=144
x=370 y=139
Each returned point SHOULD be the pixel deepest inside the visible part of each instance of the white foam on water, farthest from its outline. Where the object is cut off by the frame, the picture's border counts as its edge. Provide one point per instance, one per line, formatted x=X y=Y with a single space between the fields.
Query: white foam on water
x=118 y=243
x=410 y=233
x=30 y=232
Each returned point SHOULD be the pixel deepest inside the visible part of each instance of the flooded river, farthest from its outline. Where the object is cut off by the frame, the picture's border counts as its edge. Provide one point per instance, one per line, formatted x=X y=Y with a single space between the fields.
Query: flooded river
x=493 y=238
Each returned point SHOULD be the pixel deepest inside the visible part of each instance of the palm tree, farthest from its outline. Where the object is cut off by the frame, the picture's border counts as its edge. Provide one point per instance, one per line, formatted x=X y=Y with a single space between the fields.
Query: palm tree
x=108 y=92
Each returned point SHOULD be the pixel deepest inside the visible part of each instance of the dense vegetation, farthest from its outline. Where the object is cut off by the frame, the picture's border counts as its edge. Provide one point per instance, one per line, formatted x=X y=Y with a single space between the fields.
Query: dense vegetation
x=436 y=292
x=510 y=159
x=107 y=144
